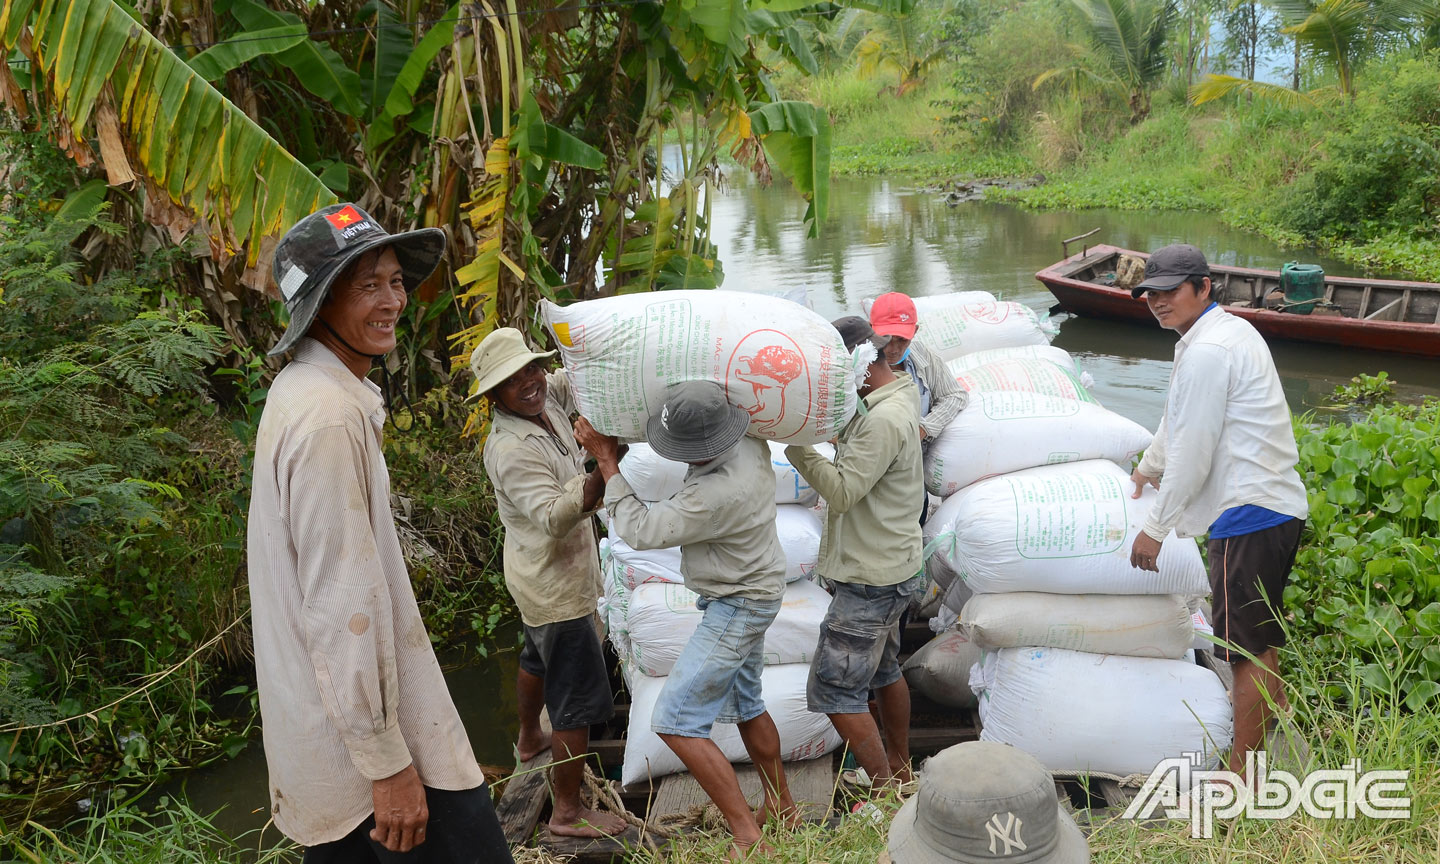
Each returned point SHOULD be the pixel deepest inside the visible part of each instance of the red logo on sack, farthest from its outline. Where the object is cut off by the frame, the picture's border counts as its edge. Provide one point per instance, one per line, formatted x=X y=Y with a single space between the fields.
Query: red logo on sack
x=770 y=370
x=988 y=313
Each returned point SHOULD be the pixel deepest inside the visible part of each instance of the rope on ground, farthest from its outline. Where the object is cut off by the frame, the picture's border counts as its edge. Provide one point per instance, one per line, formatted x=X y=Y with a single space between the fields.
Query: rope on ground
x=154 y=678
x=605 y=798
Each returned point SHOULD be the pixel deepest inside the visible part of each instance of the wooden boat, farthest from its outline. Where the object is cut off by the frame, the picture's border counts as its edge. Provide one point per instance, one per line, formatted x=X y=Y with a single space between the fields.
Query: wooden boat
x=1375 y=314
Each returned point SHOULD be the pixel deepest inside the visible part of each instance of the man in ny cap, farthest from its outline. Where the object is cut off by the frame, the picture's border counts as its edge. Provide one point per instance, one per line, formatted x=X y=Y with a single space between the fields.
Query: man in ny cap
x=552 y=565
x=366 y=753
x=731 y=556
x=1224 y=461
x=870 y=551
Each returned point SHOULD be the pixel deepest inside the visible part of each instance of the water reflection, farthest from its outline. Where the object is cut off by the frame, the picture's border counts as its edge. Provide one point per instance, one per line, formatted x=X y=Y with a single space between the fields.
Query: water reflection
x=886 y=236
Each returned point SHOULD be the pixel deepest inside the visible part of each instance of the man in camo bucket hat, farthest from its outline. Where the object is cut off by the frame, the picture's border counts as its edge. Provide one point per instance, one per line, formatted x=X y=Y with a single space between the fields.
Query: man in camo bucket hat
x=367 y=756
x=983 y=802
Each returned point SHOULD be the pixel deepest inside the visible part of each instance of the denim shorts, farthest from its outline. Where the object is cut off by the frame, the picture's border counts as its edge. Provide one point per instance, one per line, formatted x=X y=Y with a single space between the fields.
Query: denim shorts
x=717 y=677
x=859 y=645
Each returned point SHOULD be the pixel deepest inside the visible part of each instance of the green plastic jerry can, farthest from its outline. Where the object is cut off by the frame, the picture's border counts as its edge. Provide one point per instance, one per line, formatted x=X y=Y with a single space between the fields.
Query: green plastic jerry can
x=1303 y=285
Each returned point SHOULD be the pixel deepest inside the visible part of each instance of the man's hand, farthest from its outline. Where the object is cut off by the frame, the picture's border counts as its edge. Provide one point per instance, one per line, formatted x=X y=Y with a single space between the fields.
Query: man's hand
x=400 y=811
x=1145 y=554
x=605 y=448
x=923 y=433
x=1140 y=480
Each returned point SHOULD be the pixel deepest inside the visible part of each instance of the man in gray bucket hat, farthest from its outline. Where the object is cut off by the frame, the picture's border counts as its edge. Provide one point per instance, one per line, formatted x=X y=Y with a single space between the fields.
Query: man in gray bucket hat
x=982 y=802
x=367 y=757
x=730 y=556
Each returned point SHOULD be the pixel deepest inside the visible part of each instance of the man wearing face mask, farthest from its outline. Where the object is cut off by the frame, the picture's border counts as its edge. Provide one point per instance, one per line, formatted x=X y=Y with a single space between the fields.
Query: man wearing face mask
x=870 y=551
x=941 y=396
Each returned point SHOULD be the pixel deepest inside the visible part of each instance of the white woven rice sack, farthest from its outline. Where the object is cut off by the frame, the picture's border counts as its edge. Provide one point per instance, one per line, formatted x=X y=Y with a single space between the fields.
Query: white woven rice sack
x=939 y=301
x=1059 y=356
x=784 y=364
x=1004 y=431
x=614 y=603
x=662 y=616
x=803 y=735
x=1137 y=625
x=952 y=329
x=798 y=528
x=940 y=670
x=655 y=478
x=1099 y=713
x=1061 y=529
x=1202 y=632
x=1026 y=375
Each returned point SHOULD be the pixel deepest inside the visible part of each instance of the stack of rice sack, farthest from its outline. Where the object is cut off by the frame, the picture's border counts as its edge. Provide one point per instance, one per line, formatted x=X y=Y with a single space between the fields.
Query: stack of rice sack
x=1076 y=657
x=788 y=367
x=651 y=615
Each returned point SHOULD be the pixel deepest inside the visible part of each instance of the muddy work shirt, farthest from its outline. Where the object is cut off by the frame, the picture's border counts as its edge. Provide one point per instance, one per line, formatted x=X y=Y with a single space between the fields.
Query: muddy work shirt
x=552 y=563
x=723 y=520
x=350 y=691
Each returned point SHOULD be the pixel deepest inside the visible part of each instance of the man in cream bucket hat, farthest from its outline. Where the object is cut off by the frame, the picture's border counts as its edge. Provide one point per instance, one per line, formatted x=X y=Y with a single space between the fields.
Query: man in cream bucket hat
x=982 y=802
x=551 y=562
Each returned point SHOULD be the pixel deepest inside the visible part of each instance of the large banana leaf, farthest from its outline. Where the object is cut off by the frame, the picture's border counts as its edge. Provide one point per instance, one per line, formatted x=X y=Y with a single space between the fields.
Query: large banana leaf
x=400 y=99
x=189 y=140
x=215 y=61
x=393 y=41
x=318 y=68
x=796 y=135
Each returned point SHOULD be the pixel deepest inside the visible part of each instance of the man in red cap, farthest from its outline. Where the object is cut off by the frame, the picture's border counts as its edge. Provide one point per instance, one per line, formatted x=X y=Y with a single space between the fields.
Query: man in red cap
x=941 y=396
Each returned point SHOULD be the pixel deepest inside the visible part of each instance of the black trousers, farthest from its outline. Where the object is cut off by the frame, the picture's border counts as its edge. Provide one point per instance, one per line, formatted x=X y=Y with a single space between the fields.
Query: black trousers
x=463 y=829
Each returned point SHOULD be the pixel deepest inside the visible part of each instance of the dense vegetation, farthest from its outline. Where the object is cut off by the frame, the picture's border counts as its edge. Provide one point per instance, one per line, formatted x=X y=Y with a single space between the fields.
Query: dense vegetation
x=1118 y=112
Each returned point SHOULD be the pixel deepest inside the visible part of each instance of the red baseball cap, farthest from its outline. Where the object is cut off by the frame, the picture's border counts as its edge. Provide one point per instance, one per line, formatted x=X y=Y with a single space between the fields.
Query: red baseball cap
x=893 y=314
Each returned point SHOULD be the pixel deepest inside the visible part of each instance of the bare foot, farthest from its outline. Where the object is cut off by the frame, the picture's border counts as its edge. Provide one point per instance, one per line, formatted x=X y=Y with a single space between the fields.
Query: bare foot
x=588 y=823
x=786 y=812
x=751 y=851
x=531 y=744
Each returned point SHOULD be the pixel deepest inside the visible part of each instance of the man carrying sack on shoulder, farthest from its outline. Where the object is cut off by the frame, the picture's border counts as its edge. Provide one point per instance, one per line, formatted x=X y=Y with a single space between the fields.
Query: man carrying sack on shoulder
x=731 y=556
x=367 y=756
x=552 y=565
x=871 y=552
x=1226 y=453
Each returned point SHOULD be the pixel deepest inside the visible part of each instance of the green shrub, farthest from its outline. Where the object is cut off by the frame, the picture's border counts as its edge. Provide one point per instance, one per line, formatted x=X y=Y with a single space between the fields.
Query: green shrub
x=1365 y=593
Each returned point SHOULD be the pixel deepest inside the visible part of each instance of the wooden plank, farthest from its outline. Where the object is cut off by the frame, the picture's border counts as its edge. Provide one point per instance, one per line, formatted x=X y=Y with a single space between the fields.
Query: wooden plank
x=523 y=799
x=1388 y=312
x=934 y=740
x=584 y=850
x=1112 y=793
x=1364 y=302
x=1404 y=305
x=524 y=796
x=812 y=785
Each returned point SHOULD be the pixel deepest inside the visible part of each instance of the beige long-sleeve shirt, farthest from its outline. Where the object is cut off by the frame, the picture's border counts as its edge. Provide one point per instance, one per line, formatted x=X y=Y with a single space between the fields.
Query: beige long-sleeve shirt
x=723 y=520
x=552 y=563
x=872 y=491
x=350 y=690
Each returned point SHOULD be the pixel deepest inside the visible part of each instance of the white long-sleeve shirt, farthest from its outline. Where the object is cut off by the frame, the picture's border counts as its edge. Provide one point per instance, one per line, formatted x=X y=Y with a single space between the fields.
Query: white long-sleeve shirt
x=350 y=691
x=1226 y=439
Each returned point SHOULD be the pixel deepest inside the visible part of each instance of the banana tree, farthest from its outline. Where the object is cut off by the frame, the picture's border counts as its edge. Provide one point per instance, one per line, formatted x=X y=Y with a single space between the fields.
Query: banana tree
x=102 y=84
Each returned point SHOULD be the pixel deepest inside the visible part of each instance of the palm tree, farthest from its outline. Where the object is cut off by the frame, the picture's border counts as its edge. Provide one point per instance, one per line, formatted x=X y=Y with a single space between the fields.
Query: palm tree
x=1127 y=45
x=903 y=45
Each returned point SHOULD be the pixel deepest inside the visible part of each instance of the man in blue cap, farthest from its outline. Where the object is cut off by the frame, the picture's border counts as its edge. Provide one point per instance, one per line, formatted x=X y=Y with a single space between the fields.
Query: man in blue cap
x=366 y=753
x=1226 y=452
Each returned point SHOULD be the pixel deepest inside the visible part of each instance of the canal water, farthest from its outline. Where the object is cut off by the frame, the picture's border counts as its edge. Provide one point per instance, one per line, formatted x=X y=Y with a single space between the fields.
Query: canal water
x=882 y=236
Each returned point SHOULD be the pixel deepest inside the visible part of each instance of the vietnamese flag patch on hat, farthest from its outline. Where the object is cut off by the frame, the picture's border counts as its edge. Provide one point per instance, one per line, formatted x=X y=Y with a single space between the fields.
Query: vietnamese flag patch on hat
x=344 y=217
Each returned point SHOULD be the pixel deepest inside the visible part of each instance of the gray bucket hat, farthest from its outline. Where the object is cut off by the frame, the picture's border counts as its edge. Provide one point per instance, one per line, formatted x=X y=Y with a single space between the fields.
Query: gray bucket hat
x=982 y=802
x=1170 y=267
x=854 y=330
x=320 y=246
x=695 y=423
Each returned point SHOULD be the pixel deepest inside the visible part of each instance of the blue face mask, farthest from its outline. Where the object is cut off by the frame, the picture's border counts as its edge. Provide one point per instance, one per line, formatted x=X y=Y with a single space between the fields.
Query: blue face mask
x=903 y=357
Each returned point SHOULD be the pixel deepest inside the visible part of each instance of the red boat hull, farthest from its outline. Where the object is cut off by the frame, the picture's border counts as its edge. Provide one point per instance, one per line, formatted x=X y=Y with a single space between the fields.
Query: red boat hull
x=1101 y=301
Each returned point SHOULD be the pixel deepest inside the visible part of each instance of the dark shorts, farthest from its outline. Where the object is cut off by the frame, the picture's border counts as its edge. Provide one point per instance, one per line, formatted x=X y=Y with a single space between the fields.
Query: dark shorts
x=462 y=829
x=859 y=646
x=1247 y=580
x=567 y=654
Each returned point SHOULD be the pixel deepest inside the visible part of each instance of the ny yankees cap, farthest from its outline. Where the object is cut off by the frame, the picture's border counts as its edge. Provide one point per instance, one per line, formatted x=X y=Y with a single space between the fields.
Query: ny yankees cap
x=320 y=246
x=984 y=801
x=695 y=423
x=893 y=314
